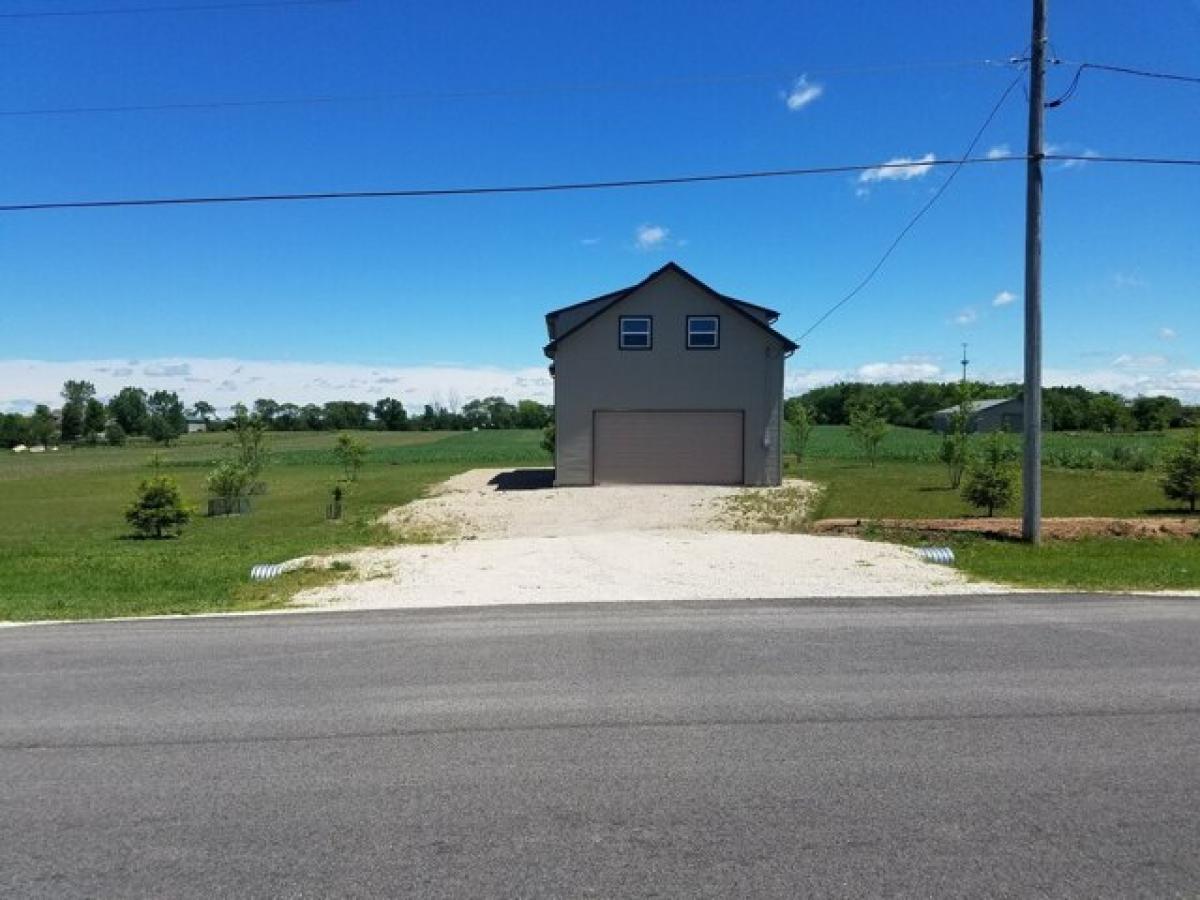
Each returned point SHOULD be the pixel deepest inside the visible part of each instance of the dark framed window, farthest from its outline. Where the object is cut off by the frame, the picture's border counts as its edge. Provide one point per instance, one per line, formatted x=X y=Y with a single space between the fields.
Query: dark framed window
x=703 y=332
x=636 y=333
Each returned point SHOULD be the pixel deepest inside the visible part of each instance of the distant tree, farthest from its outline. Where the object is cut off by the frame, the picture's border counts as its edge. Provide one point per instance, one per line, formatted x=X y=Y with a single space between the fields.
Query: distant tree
x=114 y=434
x=165 y=420
x=128 y=407
x=79 y=392
x=868 y=427
x=351 y=452
x=266 y=410
x=95 y=417
x=1181 y=470
x=287 y=417
x=158 y=509
x=800 y=419
x=991 y=477
x=391 y=415
x=1156 y=413
x=70 y=422
x=204 y=411
x=41 y=427
x=343 y=414
x=311 y=418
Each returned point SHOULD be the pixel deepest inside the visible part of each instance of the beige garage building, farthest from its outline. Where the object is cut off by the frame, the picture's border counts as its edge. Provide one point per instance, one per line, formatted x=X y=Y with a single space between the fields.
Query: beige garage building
x=667 y=382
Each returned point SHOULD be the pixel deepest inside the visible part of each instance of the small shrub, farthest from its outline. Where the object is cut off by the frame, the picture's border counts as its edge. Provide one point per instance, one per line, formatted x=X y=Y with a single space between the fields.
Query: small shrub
x=230 y=480
x=991 y=477
x=549 y=438
x=114 y=434
x=351 y=452
x=158 y=510
x=1181 y=471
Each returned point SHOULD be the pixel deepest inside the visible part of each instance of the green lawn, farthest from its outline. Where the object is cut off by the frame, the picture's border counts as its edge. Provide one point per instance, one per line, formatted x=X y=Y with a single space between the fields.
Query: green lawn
x=64 y=545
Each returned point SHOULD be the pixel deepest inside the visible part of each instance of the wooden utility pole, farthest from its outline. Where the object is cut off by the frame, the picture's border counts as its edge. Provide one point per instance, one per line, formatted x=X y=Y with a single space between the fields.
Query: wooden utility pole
x=1031 y=470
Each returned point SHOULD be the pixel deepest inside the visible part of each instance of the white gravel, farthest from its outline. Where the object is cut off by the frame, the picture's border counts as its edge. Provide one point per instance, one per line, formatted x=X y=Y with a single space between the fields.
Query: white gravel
x=610 y=544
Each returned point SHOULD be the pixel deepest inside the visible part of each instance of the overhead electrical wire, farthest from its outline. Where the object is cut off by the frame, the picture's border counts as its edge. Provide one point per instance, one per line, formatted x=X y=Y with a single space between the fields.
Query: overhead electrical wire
x=569 y=186
x=1120 y=70
x=487 y=93
x=928 y=205
x=176 y=7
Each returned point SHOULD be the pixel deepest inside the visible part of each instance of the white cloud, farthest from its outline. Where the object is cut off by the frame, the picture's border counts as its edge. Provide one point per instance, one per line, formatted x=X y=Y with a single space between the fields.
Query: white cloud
x=167 y=370
x=589 y=242
x=1052 y=149
x=226 y=381
x=1144 y=361
x=1000 y=151
x=902 y=168
x=897 y=371
x=649 y=237
x=1130 y=382
x=968 y=316
x=1167 y=334
x=1126 y=280
x=1004 y=298
x=802 y=93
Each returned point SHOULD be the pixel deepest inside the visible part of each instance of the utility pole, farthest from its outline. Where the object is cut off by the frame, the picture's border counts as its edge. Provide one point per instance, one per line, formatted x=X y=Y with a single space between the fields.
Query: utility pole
x=1031 y=469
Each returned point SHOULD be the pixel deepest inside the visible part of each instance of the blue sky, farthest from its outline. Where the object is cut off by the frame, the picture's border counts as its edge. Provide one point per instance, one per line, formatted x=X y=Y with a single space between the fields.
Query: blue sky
x=445 y=297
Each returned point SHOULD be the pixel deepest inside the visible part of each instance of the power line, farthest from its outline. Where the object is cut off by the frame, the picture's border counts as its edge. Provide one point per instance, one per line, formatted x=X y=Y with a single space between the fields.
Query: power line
x=565 y=187
x=958 y=166
x=181 y=7
x=1121 y=70
x=485 y=93
x=559 y=187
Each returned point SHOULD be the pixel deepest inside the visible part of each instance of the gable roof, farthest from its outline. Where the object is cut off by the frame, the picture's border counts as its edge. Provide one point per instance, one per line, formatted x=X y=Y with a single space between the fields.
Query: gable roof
x=608 y=301
x=977 y=406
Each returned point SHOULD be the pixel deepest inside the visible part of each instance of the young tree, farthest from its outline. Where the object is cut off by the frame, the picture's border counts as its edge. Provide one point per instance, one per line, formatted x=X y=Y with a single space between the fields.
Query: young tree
x=1181 y=470
x=129 y=409
x=166 y=420
x=71 y=422
x=229 y=480
x=41 y=426
x=867 y=427
x=800 y=418
x=991 y=476
x=250 y=442
x=351 y=452
x=114 y=434
x=158 y=509
x=955 y=450
x=391 y=415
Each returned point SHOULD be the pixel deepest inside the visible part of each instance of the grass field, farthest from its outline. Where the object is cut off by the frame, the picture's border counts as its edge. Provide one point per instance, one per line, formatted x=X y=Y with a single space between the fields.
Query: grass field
x=65 y=550
x=64 y=545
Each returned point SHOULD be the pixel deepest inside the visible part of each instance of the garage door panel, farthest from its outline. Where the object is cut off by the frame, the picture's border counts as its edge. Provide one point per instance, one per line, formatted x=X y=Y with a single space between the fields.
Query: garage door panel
x=661 y=447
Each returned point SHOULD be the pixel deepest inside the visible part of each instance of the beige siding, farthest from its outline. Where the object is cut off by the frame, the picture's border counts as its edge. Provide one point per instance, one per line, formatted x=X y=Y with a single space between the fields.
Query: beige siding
x=745 y=374
x=660 y=447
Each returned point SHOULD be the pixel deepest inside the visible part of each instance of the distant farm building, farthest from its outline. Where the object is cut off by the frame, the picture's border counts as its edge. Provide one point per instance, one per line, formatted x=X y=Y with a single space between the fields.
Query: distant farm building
x=985 y=415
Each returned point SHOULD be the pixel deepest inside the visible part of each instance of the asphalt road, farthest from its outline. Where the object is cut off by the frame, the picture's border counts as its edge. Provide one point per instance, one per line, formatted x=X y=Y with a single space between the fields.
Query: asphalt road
x=973 y=747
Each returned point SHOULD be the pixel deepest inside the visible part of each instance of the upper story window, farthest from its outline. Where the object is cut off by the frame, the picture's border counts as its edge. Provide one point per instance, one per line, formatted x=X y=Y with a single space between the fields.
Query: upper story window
x=637 y=333
x=703 y=332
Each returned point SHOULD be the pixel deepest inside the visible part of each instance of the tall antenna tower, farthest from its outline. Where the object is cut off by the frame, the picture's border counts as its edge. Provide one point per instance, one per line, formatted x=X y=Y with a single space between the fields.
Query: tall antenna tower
x=964 y=363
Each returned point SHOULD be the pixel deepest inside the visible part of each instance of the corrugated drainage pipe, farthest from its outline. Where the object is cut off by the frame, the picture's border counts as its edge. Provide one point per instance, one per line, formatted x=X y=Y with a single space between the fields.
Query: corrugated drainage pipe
x=941 y=555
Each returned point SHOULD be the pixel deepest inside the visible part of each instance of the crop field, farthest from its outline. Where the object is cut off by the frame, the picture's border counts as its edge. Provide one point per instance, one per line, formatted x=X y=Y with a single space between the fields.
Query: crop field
x=1133 y=452
x=65 y=550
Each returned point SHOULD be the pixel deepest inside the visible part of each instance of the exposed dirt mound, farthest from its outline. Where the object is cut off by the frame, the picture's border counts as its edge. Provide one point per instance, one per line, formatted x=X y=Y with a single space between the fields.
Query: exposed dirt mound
x=1065 y=529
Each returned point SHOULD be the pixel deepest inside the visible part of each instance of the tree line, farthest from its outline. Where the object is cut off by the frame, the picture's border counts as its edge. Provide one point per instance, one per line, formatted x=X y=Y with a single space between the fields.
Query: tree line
x=912 y=404
x=162 y=416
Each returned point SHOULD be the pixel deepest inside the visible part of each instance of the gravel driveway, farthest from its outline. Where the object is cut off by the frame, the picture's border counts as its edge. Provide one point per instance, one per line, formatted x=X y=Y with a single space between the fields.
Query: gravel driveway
x=506 y=536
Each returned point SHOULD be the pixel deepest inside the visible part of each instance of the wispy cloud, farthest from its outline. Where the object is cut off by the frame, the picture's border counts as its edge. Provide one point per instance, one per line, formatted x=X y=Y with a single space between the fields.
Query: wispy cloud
x=897 y=371
x=802 y=93
x=1167 y=334
x=1142 y=361
x=650 y=237
x=999 y=151
x=1053 y=149
x=589 y=242
x=902 y=168
x=1126 y=280
x=1004 y=298
x=968 y=316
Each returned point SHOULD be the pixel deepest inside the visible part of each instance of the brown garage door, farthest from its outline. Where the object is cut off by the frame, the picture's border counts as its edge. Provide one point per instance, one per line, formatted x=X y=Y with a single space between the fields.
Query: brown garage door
x=657 y=447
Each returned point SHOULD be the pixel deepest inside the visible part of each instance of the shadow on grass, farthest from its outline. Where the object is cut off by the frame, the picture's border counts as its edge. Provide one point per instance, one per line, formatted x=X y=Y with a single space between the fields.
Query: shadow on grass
x=1175 y=512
